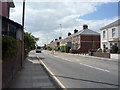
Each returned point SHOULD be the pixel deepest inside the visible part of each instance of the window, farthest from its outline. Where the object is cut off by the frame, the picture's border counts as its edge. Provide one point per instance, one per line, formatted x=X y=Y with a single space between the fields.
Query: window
x=111 y=45
x=103 y=34
x=113 y=32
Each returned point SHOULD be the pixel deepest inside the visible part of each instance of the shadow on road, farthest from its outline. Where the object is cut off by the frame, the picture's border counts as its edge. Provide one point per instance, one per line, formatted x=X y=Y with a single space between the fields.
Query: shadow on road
x=87 y=80
x=34 y=58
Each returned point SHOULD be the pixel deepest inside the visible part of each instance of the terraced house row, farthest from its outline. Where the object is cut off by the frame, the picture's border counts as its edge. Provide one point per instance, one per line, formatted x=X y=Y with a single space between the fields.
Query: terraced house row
x=79 y=42
x=84 y=40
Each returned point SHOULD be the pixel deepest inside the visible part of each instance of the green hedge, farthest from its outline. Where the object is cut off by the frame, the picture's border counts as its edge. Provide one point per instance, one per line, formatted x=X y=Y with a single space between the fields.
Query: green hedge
x=57 y=48
x=64 y=48
x=9 y=47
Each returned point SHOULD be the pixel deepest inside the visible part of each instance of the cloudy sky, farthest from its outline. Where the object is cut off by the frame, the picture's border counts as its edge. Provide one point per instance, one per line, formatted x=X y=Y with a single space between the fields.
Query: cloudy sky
x=43 y=19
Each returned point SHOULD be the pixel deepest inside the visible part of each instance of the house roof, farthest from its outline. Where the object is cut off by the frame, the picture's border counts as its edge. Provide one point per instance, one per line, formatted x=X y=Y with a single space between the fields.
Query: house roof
x=11 y=3
x=81 y=32
x=85 y=32
x=115 y=23
x=11 y=21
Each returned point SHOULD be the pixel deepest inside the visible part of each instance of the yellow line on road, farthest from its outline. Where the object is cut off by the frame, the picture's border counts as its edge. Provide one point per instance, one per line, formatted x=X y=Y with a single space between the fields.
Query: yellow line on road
x=59 y=82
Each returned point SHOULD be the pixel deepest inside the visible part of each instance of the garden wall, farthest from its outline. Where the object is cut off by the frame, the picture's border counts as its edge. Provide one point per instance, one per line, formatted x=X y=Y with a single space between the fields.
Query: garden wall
x=104 y=55
x=115 y=56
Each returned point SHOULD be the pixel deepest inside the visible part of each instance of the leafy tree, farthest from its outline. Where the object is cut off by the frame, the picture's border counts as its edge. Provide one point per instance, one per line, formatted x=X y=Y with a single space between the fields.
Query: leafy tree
x=29 y=42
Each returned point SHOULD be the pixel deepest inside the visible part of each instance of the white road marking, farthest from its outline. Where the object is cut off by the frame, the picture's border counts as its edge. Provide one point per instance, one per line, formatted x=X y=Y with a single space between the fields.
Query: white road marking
x=77 y=59
x=95 y=67
x=84 y=64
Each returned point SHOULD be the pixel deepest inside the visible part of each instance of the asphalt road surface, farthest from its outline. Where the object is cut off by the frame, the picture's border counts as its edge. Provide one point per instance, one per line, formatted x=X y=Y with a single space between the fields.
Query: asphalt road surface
x=75 y=71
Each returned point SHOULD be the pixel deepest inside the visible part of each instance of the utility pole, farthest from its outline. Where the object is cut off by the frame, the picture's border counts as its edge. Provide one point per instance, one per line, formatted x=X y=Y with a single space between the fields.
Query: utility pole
x=23 y=14
x=60 y=30
x=23 y=19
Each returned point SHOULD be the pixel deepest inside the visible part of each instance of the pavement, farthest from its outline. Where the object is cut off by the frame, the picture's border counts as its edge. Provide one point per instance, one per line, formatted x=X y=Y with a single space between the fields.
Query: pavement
x=33 y=75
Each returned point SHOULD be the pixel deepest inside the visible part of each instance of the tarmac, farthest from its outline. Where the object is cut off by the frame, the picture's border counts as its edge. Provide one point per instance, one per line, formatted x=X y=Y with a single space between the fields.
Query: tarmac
x=33 y=75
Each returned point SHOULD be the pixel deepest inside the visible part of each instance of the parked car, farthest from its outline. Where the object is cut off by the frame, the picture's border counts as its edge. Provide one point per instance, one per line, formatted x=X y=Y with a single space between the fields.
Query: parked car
x=38 y=49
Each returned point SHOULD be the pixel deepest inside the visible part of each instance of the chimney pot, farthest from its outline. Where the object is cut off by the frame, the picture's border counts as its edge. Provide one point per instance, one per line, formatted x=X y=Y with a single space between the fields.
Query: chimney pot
x=56 y=39
x=85 y=26
x=69 y=34
x=75 y=31
x=60 y=38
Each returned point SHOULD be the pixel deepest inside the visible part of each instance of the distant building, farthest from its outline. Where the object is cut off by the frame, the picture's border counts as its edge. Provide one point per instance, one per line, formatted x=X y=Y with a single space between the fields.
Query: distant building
x=84 y=40
x=81 y=41
x=110 y=34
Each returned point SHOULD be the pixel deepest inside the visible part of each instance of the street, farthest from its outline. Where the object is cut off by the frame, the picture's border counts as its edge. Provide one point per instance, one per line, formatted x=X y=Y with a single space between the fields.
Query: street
x=75 y=71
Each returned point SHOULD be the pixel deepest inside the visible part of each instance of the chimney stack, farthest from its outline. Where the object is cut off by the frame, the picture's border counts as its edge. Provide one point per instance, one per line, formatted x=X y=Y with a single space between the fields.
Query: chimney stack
x=60 y=38
x=85 y=26
x=75 y=31
x=69 y=34
x=56 y=39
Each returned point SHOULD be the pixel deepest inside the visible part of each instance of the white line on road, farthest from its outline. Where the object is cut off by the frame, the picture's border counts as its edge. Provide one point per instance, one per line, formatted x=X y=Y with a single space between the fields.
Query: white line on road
x=95 y=67
x=77 y=59
x=84 y=64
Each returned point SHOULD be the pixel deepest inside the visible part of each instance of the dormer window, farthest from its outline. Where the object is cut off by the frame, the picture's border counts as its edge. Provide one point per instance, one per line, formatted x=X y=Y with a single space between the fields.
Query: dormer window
x=113 y=32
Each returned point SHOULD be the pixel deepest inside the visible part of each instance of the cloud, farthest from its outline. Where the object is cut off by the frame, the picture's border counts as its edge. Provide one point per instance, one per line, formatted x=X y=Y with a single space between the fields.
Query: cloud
x=43 y=19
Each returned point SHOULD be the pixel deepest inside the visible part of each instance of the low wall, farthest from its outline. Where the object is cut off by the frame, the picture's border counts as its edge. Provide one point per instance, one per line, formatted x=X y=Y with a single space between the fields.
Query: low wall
x=104 y=55
x=115 y=56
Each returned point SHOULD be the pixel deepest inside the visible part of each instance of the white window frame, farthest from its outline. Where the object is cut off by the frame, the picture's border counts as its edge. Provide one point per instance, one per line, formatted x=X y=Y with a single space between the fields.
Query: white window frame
x=104 y=34
x=113 y=32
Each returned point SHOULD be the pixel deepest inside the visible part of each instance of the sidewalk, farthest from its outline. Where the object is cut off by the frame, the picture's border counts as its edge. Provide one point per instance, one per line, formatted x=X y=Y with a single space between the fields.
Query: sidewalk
x=33 y=75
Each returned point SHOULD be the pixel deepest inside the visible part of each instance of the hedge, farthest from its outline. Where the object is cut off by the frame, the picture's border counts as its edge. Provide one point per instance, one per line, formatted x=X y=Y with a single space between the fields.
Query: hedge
x=64 y=48
x=9 y=47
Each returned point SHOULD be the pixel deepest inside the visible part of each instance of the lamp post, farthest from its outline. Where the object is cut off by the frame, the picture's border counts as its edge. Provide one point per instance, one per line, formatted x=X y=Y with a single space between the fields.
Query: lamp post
x=23 y=19
x=60 y=29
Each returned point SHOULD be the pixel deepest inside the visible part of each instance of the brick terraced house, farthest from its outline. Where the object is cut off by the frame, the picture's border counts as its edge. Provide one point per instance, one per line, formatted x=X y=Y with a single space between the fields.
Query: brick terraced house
x=81 y=41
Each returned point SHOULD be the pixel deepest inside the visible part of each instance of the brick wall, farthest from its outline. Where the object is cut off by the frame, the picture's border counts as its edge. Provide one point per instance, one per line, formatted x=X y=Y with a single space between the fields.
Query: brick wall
x=5 y=9
x=104 y=55
x=88 y=42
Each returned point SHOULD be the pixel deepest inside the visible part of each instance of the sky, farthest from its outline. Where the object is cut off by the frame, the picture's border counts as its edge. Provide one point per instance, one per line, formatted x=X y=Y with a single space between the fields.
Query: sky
x=43 y=19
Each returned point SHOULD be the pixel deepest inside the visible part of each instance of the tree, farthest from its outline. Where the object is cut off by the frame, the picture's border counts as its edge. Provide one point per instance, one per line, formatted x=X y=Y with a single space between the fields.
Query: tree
x=29 y=42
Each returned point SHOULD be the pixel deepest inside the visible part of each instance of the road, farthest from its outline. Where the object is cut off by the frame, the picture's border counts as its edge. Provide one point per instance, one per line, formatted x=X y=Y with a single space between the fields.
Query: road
x=75 y=71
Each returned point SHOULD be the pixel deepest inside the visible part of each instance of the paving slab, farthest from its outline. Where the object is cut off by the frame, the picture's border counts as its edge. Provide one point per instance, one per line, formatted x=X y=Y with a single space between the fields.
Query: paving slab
x=33 y=75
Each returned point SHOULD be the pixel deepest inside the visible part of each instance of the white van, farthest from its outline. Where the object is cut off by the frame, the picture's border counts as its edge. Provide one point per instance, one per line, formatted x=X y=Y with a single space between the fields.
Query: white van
x=38 y=49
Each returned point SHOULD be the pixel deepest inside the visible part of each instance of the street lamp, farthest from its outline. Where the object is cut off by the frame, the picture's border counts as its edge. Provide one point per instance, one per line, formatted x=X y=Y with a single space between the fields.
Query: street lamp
x=23 y=49
x=60 y=29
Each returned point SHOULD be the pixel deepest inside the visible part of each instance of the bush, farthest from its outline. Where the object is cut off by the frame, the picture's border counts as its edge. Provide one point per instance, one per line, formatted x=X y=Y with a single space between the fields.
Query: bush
x=118 y=51
x=57 y=48
x=49 y=48
x=114 y=49
x=64 y=48
x=9 y=47
x=93 y=50
x=99 y=50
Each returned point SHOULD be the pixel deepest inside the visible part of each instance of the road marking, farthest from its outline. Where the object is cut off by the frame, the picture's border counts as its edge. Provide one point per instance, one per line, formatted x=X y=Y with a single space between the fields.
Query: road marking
x=95 y=67
x=85 y=64
x=77 y=59
x=59 y=82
